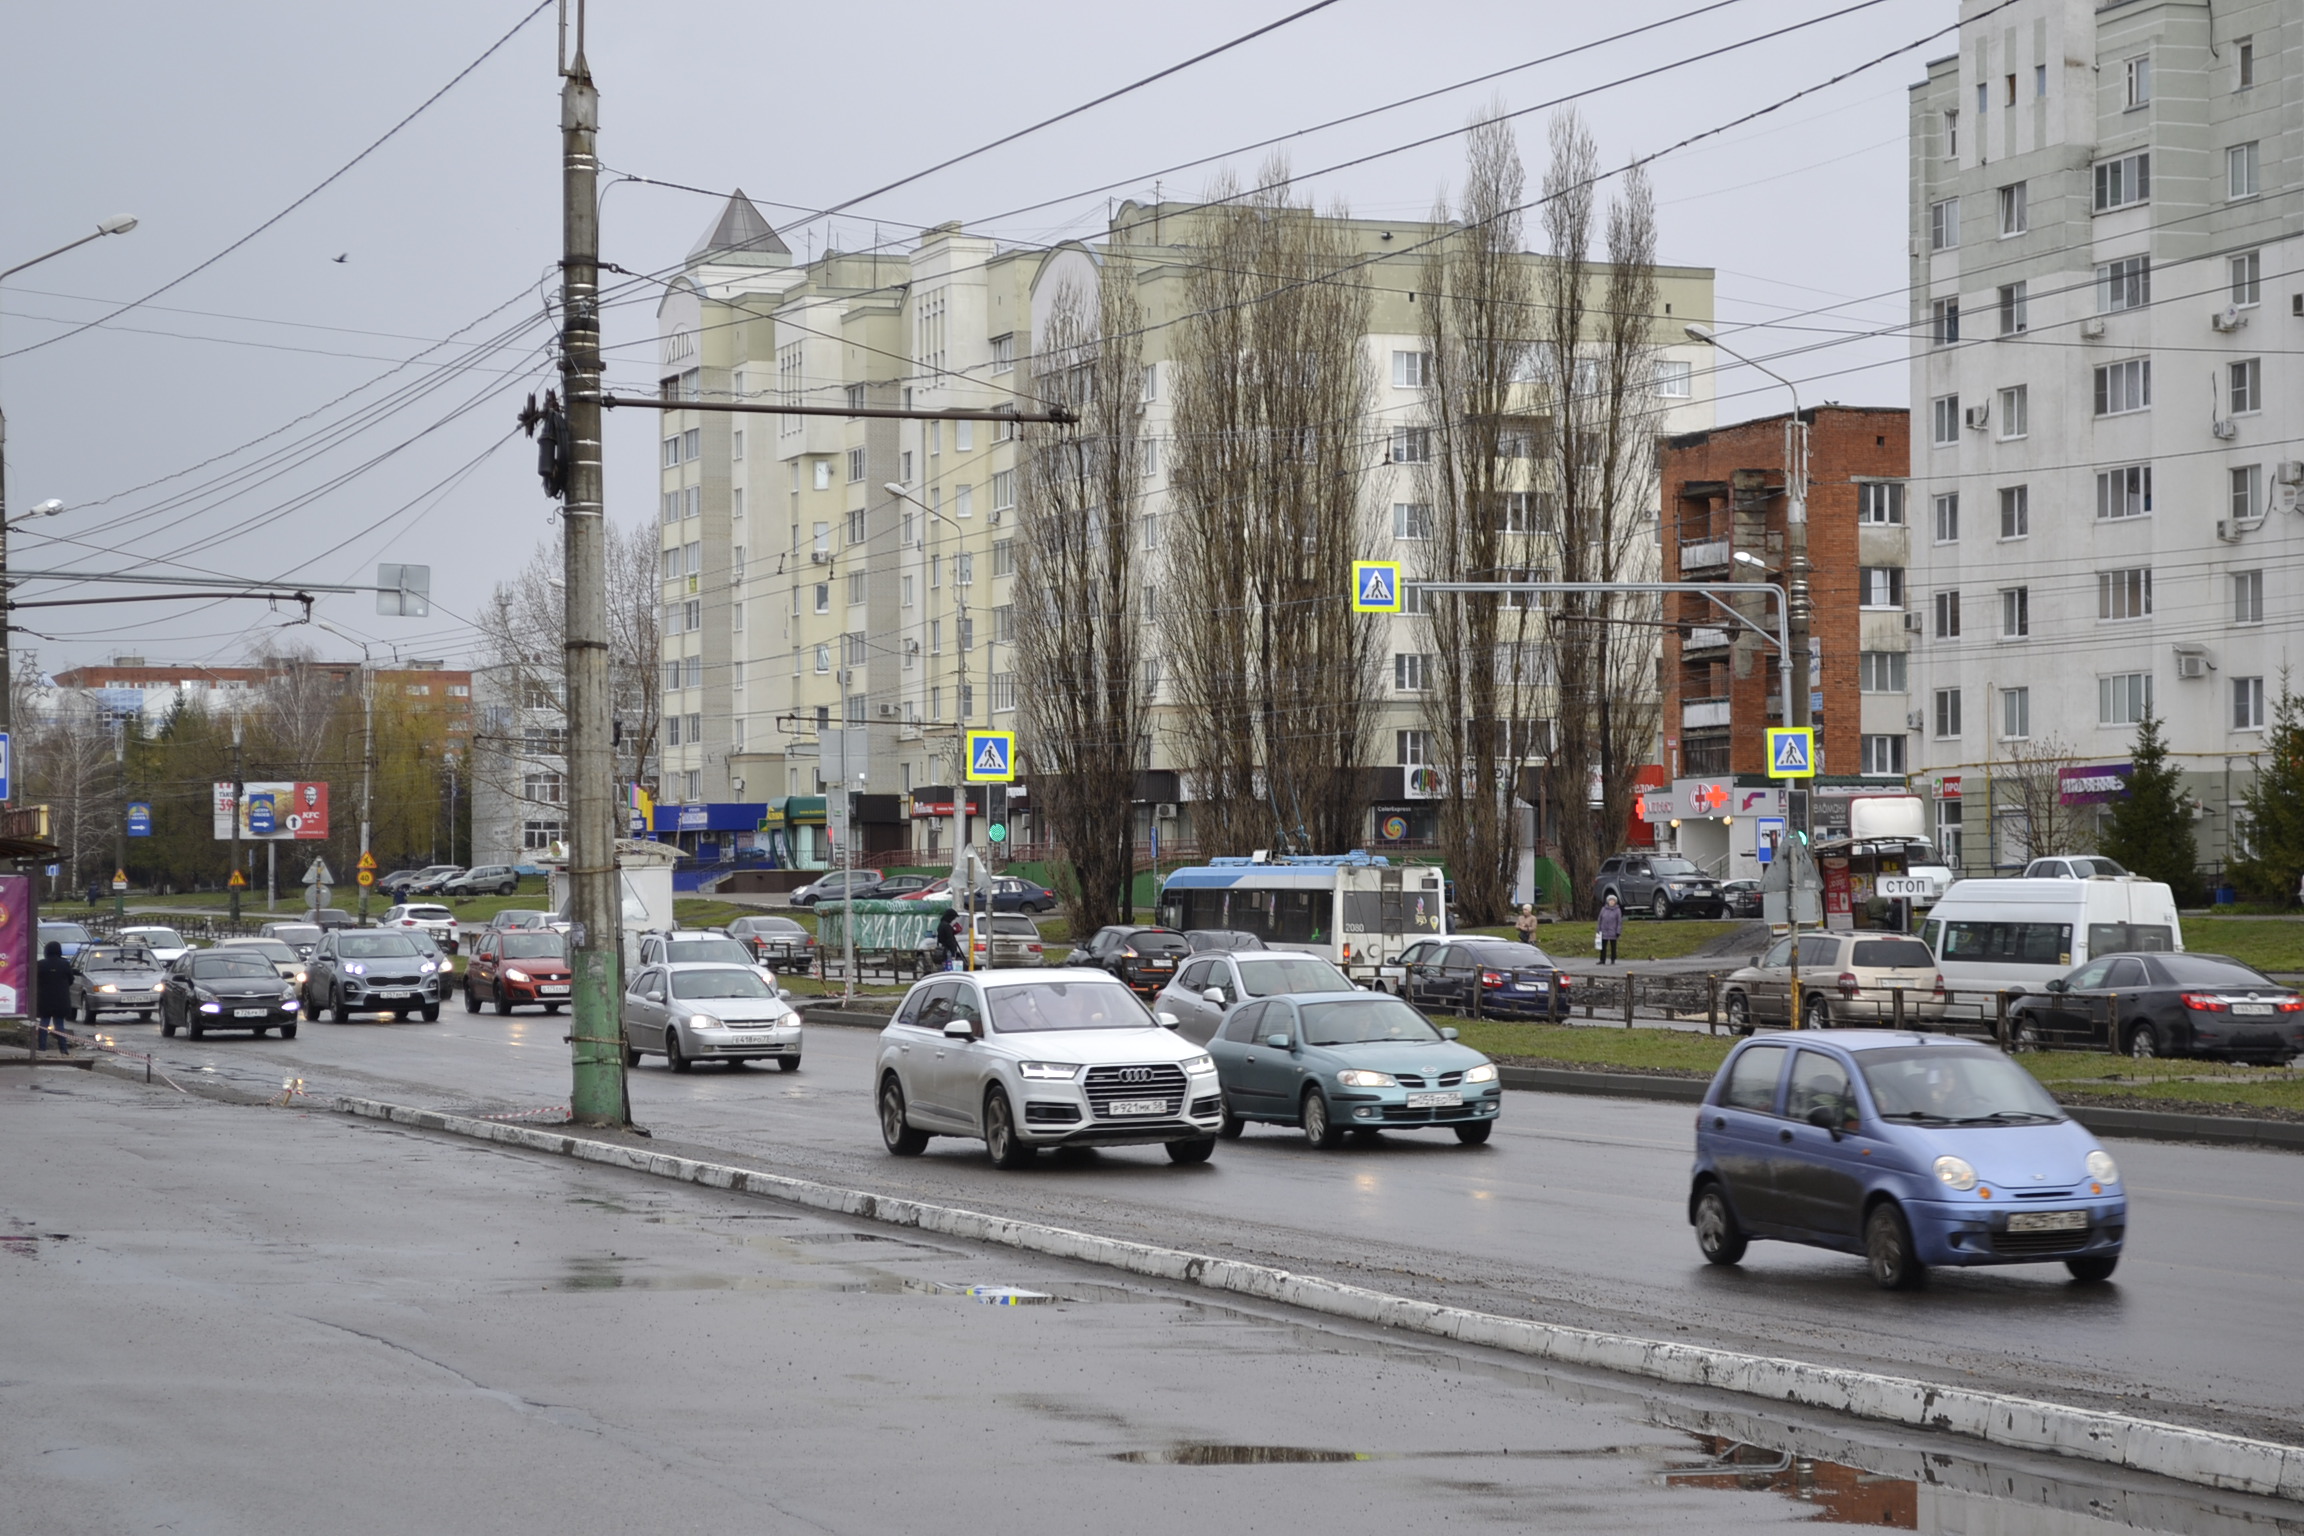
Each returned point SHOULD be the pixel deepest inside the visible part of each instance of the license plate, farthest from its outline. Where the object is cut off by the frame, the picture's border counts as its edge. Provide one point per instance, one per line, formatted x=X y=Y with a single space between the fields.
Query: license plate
x=1137 y=1107
x=553 y=989
x=749 y=1040
x=250 y=1013
x=1159 y=965
x=1434 y=1100
x=2251 y=1007
x=2047 y=1221
x=1523 y=986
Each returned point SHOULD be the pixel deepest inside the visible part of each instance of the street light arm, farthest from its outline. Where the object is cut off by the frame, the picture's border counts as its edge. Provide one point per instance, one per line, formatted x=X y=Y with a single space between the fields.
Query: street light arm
x=1699 y=334
x=119 y=224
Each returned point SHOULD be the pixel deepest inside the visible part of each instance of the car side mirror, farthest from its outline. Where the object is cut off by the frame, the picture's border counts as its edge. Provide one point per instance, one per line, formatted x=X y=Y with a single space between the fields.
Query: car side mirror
x=1213 y=995
x=1825 y=1118
x=1447 y=1034
x=1279 y=1042
x=2059 y=984
x=959 y=1029
x=784 y=994
x=1754 y=962
x=1167 y=1020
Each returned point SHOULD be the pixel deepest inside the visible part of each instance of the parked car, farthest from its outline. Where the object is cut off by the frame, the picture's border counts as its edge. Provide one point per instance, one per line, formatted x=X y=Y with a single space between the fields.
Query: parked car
x=301 y=937
x=525 y=917
x=1845 y=979
x=776 y=942
x=115 y=978
x=519 y=967
x=837 y=885
x=2072 y=867
x=430 y=879
x=1143 y=957
x=1028 y=1059
x=1203 y=940
x=1207 y=987
x=1661 y=884
x=941 y=886
x=365 y=971
x=1509 y=978
x=68 y=935
x=1014 y=939
x=428 y=917
x=326 y=918
x=692 y=1013
x=1364 y=1062
x=283 y=957
x=166 y=944
x=2169 y=1005
x=228 y=987
x=1741 y=898
x=895 y=887
x=395 y=884
x=1008 y=893
x=1909 y=1149
x=481 y=880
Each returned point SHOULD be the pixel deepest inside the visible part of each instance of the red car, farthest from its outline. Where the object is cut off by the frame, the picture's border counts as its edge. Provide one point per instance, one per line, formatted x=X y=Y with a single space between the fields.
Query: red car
x=516 y=967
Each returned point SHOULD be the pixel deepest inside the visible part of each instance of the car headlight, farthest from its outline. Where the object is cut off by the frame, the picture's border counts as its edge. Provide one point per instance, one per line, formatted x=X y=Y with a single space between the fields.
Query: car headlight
x=1048 y=1071
x=520 y=976
x=426 y=966
x=355 y=968
x=1956 y=1172
x=1484 y=1073
x=2101 y=1168
x=702 y=1021
x=159 y=986
x=1356 y=1077
x=288 y=996
x=299 y=978
x=106 y=986
x=1200 y=1064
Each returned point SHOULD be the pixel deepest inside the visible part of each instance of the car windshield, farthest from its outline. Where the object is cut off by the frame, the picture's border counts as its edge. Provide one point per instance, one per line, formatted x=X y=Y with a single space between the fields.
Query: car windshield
x=1050 y=1005
x=63 y=933
x=535 y=946
x=374 y=946
x=115 y=958
x=2212 y=971
x=270 y=949
x=766 y=925
x=523 y=919
x=1921 y=853
x=1012 y=927
x=297 y=933
x=1263 y=977
x=1881 y=954
x=222 y=965
x=1203 y=940
x=157 y=938
x=716 y=983
x=1953 y=1085
x=690 y=951
x=1506 y=954
x=1672 y=867
x=1154 y=941
x=1363 y=1021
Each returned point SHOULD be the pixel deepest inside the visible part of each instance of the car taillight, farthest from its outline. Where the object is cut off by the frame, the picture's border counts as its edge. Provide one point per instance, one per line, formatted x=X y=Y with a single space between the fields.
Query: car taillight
x=1128 y=954
x=1561 y=979
x=1939 y=983
x=2290 y=1005
x=1491 y=978
x=2206 y=1002
x=1848 y=984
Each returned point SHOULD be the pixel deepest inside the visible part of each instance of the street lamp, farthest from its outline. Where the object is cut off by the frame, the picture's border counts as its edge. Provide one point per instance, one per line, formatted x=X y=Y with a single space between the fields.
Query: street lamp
x=959 y=710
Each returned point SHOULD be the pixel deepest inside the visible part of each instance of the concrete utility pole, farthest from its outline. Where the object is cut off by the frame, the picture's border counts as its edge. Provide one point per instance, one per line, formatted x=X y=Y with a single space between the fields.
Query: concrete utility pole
x=595 y=912
x=120 y=839
x=239 y=793
x=367 y=773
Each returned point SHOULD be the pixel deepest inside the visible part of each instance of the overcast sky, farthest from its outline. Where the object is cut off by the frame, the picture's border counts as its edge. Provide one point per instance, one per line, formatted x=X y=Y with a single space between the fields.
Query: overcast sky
x=205 y=121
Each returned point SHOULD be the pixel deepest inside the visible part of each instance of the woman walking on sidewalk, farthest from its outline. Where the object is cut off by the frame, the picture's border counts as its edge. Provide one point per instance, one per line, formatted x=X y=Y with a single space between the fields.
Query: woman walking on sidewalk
x=52 y=979
x=1608 y=929
x=1525 y=924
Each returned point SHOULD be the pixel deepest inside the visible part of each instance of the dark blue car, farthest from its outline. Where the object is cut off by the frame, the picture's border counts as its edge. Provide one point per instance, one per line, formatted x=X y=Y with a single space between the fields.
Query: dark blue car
x=1512 y=980
x=1909 y=1149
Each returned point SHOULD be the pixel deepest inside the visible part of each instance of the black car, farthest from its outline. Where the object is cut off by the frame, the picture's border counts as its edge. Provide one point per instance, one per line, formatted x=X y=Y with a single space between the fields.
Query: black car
x=839 y=885
x=1508 y=977
x=371 y=971
x=2168 y=1005
x=1742 y=898
x=227 y=989
x=1008 y=893
x=115 y=978
x=895 y=886
x=1210 y=940
x=1660 y=884
x=1144 y=958
x=776 y=942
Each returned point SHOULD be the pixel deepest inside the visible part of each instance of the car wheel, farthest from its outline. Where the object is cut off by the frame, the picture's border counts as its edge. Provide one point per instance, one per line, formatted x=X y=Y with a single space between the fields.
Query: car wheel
x=1233 y=1125
x=167 y=1026
x=2143 y=1042
x=1474 y=1133
x=551 y=1007
x=340 y=1011
x=1319 y=1129
x=1186 y=1153
x=88 y=1014
x=2093 y=1269
x=431 y=1013
x=509 y=890
x=257 y=1033
x=631 y=1056
x=1888 y=1249
x=1739 y=1014
x=1722 y=1241
x=1816 y=1014
x=787 y=1063
x=674 y=1057
x=194 y=1029
x=287 y=1031
x=902 y=1140
x=1661 y=906
x=1008 y=1149
x=471 y=999
x=503 y=1003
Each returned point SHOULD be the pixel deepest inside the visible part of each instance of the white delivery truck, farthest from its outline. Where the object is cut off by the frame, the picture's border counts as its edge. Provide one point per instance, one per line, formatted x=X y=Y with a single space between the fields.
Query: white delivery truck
x=1992 y=935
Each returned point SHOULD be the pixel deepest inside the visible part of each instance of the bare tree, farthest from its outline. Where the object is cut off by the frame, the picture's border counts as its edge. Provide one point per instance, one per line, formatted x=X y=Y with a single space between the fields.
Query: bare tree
x=1078 y=626
x=1274 y=672
x=2034 y=780
x=1596 y=354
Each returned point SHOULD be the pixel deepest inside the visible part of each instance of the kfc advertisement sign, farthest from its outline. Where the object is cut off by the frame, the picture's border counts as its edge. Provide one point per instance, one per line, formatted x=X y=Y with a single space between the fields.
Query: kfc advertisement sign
x=276 y=811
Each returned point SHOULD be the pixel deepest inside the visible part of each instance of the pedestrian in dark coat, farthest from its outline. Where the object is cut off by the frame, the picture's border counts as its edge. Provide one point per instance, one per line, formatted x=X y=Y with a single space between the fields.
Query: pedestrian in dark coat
x=1609 y=928
x=52 y=982
x=948 y=938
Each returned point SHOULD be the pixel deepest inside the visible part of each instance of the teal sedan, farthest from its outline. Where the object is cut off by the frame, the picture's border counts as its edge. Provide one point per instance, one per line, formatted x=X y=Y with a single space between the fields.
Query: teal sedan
x=1363 y=1062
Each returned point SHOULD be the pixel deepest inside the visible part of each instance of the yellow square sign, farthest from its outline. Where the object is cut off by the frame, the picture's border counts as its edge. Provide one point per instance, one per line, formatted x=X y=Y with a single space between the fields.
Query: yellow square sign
x=1791 y=751
x=1376 y=587
x=991 y=757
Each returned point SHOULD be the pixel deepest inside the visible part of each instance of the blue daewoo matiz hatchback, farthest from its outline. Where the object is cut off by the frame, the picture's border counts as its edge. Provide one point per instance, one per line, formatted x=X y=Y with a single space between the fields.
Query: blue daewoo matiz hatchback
x=1909 y=1149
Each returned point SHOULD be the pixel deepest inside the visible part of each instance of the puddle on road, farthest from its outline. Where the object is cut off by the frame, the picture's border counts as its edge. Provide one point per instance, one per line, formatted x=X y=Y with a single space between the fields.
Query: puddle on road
x=1840 y=1495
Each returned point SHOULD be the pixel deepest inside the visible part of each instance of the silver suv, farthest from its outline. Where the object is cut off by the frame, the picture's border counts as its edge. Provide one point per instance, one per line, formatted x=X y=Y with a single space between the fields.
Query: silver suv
x=1028 y=1059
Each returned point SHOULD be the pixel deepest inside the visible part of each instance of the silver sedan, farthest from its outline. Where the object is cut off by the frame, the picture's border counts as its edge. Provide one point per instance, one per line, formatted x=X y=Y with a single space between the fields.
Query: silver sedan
x=709 y=1012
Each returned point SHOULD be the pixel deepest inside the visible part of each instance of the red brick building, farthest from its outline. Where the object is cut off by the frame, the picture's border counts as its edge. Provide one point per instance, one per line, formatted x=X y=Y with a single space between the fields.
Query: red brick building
x=1723 y=494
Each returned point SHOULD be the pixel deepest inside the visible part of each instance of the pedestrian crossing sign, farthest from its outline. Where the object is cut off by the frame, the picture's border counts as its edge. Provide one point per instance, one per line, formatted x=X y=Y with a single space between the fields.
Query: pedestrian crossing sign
x=1376 y=586
x=991 y=757
x=1791 y=752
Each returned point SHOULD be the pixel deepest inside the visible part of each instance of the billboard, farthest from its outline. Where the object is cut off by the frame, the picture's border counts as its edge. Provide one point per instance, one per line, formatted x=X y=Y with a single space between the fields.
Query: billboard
x=18 y=988
x=2096 y=784
x=274 y=810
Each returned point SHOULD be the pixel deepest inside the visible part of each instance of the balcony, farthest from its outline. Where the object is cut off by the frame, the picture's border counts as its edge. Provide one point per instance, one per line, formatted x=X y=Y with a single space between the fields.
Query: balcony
x=1710 y=554
x=1704 y=639
x=1695 y=714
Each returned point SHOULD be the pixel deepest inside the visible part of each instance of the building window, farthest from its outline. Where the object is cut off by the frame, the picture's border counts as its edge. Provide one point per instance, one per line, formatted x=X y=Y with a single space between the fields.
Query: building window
x=2123 y=284
x=823 y=597
x=1877 y=502
x=2248 y=490
x=905 y=587
x=822 y=534
x=2015 y=511
x=2247 y=379
x=2138 y=87
x=964 y=568
x=2247 y=272
x=824 y=657
x=1003 y=490
x=2040 y=82
x=2014 y=215
x=1944 y=326
x=2124 y=492
x=1947 y=615
x=1947 y=712
x=1004 y=353
x=692 y=614
x=1411 y=370
x=2123 y=698
x=1881 y=586
x=855 y=465
x=822 y=478
x=1412 y=749
x=1411 y=673
x=1411 y=520
x=692 y=669
x=544 y=788
x=1675 y=380
x=1880 y=671
x=2015 y=412
x=1004 y=622
x=2124 y=182
x=537 y=836
x=2124 y=387
x=1411 y=445
x=1947 y=510
x=1004 y=558
x=2015 y=713
x=2240 y=170
x=2247 y=703
x=2247 y=597
x=1944 y=420
x=2015 y=313
x=2015 y=612
x=1951 y=144
x=671 y=730
x=1884 y=756
x=671 y=458
x=2124 y=594
x=2244 y=63
x=856 y=588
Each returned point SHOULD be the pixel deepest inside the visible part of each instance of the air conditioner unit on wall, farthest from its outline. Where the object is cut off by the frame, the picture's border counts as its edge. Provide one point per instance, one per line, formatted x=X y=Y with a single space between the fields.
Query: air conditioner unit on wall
x=1164 y=812
x=2092 y=327
x=819 y=557
x=1977 y=416
x=2228 y=318
x=2225 y=430
x=1912 y=623
x=887 y=711
x=2288 y=472
x=1915 y=720
x=2193 y=663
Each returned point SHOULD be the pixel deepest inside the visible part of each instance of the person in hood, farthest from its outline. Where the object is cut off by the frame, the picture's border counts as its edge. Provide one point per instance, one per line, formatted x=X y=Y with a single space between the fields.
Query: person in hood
x=52 y=979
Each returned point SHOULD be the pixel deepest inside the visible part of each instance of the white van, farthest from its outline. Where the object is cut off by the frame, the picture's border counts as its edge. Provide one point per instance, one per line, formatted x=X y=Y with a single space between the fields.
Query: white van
x=1989 y=935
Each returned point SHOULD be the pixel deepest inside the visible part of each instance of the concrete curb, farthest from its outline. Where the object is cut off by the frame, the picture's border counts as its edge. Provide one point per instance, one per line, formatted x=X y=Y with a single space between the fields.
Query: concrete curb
x=2167 y=1450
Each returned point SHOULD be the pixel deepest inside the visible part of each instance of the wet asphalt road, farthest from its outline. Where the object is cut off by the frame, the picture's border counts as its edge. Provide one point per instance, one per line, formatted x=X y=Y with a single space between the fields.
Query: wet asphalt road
x=1575 y=1213
x=244 y=1320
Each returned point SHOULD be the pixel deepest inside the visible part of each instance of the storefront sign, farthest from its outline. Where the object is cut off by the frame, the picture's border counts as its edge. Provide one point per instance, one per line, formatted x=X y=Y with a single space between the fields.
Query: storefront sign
x=2093 y=785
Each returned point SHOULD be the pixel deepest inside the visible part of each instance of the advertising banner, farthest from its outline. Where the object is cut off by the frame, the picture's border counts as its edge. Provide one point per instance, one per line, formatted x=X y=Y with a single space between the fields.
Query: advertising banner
x=273 y=810
x=17 y=992
x=2093 y=785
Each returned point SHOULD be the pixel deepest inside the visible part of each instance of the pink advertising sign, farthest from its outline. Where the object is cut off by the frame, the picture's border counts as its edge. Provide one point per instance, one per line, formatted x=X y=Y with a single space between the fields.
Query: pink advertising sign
x=17 y=992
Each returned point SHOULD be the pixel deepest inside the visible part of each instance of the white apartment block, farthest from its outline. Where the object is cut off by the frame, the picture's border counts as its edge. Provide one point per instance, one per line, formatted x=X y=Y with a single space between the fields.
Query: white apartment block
x=2107 y=372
